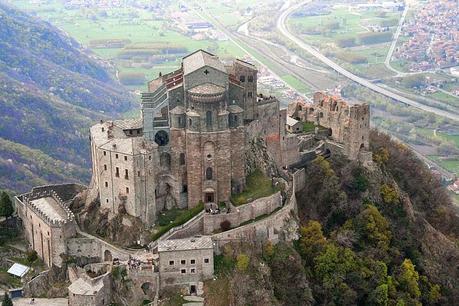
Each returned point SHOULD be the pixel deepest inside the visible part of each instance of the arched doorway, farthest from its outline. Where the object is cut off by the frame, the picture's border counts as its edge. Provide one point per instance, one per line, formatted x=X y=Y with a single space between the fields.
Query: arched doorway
x=165 y=160
x=147 y=288
x=107 y=255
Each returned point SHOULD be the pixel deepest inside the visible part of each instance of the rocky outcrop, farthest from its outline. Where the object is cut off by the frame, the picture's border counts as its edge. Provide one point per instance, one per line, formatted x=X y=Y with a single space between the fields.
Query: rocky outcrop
x=123 y=229
x=258 y=157
x=440 y=258
x=52 y=283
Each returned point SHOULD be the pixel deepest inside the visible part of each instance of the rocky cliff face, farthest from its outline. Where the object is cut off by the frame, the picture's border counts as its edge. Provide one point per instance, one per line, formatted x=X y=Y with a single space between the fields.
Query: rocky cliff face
x=258 y=157
x=122 y=230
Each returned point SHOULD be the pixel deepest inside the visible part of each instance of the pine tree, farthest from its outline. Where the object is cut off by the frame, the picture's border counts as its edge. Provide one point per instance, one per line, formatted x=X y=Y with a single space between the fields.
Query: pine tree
x=6 y=206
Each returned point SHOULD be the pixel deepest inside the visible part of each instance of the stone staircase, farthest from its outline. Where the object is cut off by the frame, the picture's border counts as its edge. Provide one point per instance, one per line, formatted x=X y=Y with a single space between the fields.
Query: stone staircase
x=193 y=300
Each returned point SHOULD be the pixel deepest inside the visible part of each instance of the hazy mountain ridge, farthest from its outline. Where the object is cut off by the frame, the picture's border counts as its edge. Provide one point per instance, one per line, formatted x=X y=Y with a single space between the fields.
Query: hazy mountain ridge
x=50 y=94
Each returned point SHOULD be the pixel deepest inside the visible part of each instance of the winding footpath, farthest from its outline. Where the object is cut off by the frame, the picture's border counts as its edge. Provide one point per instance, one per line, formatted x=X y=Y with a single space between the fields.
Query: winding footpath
x=282 y=27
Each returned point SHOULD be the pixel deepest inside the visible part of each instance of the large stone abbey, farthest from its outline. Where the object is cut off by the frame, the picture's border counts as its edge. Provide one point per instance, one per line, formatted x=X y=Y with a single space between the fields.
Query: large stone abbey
x=189 y=145
x=203 y=131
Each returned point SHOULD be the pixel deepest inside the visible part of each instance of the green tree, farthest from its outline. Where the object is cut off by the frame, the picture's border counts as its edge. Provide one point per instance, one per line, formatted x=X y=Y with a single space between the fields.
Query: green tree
x=6 y=300
x=324 y=166
x=374 y=228
x=6 y=206
x=434 y=294
x=408 y=279
x=331 y=270
x=242 y=262
x=312 y=240
x=379 y=296
x=389 y=194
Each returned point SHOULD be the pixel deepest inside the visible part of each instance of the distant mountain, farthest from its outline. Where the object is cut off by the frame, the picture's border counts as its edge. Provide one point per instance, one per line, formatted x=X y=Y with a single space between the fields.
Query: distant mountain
x=50 y=93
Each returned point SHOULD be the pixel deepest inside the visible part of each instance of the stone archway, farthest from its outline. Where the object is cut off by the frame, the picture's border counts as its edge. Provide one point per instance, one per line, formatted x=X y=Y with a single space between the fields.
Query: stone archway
x=108 y=255
x=146 y=288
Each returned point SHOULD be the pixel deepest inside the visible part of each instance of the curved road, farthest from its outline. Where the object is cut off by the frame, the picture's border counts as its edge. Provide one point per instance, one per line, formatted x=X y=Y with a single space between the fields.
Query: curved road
x=281 y=25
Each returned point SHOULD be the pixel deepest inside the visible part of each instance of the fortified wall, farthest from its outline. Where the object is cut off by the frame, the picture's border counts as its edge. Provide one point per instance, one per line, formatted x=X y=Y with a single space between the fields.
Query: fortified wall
x=47 y=222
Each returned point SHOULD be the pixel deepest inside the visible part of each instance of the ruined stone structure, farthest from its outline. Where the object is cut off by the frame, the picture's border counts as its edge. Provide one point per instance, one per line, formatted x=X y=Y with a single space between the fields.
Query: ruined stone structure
x=186 y=262
x=348 y=124
x=47 y=222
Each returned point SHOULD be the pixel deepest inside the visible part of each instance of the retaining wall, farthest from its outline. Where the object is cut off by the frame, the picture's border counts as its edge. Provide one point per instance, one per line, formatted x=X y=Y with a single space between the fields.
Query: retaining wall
x=243 y=213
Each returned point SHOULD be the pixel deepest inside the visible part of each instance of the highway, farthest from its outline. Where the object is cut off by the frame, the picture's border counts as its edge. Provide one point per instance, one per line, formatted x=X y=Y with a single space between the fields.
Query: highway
x=283 y=29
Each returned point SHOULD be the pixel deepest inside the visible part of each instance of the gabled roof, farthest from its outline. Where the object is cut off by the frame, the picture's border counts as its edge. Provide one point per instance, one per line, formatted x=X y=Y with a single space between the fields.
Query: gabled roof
x=199 y=59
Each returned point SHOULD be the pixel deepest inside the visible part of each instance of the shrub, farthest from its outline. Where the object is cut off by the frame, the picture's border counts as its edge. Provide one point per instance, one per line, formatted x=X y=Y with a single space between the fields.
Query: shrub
x=32 y=256
x=225 y=225
x=6 y=300
x=389 y=194
x=242 y=262
x=6 y=205
x=346 y=42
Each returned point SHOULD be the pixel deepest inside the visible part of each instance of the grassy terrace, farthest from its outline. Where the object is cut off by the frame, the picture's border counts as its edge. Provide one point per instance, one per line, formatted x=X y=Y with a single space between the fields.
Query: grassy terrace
x=258 y=186
x=173 y=218
x=308 y=127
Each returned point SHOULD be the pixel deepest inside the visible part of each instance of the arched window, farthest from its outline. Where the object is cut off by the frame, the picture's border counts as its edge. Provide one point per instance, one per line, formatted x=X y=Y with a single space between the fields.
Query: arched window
x=165 y=160
x=209 y=118
x=182 y=158
x=209 y=173
x=190 y=122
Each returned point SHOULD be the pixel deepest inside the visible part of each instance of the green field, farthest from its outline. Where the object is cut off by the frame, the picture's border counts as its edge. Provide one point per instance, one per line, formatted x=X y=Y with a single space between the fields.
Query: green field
x=450 y=164
x=137 y=25
x=326 y=32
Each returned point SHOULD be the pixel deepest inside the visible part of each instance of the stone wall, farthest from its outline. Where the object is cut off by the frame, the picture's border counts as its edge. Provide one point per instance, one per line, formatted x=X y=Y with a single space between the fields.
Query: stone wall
x=192 y=228
x=243 y=213
x=86 y=247
x=281 y=225
x=46 y=235
x=93 y=247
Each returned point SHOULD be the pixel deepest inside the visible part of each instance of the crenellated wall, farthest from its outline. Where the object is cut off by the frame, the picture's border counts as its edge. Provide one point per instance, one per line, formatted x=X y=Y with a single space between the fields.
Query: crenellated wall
x=45 y=232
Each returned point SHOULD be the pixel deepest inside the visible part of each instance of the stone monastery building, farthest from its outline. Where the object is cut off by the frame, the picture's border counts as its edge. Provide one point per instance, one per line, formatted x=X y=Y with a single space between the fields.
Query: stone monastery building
x=203 y=130
x=187 y=148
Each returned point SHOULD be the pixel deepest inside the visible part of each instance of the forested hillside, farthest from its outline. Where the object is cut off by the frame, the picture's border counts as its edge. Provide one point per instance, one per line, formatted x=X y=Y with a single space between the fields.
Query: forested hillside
x=50 y=94
x=385 y=235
